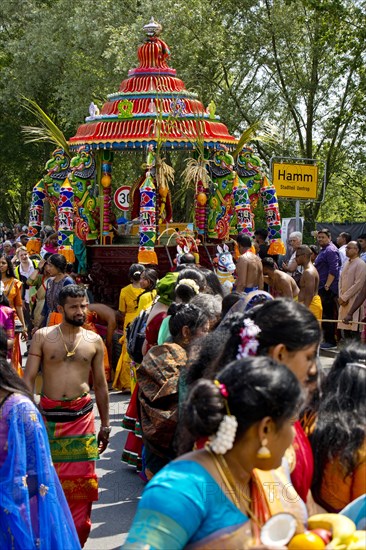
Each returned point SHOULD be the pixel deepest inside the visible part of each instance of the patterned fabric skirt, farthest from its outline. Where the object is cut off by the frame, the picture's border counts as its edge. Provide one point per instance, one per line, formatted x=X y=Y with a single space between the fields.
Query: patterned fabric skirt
x=71 y=432
x=132 y=452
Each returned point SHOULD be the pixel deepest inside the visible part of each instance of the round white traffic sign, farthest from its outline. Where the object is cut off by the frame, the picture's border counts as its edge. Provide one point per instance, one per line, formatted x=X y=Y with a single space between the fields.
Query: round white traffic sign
x=121 y=197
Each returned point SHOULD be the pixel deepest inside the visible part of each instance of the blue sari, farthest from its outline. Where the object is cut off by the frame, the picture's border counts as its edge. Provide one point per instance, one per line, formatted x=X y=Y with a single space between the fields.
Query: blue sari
x=184 y=506
x=33 y=510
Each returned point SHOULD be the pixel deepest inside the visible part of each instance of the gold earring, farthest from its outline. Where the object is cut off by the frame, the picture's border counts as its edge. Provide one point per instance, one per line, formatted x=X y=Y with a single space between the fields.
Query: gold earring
x=263 y=451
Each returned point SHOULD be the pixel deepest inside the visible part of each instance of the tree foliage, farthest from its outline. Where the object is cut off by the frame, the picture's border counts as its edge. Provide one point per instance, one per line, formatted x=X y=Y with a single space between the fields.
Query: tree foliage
x=299 y=64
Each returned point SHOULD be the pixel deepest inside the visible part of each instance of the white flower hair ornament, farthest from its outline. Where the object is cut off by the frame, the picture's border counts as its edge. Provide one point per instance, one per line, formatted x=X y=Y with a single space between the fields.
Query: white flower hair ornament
x=224 y=438
x=249 y=343
x=189 y=282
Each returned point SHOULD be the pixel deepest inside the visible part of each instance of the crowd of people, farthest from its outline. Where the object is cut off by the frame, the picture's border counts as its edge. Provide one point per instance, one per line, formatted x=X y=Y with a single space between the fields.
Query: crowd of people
x=227 y=396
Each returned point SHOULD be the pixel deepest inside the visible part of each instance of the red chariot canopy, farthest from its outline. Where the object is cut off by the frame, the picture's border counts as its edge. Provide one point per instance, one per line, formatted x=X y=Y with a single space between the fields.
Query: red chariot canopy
x=152 y=101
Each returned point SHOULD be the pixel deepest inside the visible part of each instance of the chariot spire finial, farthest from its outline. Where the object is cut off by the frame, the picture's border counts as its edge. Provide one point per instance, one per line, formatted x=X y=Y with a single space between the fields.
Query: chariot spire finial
x=153 y=28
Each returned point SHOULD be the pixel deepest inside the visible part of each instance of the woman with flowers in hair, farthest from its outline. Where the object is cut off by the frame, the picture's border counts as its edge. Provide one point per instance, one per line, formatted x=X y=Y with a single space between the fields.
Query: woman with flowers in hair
x=290 y=334
x=209 y=498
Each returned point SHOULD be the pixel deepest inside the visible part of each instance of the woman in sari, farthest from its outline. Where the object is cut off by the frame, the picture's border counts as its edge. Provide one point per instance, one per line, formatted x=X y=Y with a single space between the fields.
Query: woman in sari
x=132 y=451
x=289 y=333
x=13 y=292
x=7 y=322
x=38 y=281
x=159 y=378
x=128 y=311
x=339 y=437
x=207 y=499
x=33 y=509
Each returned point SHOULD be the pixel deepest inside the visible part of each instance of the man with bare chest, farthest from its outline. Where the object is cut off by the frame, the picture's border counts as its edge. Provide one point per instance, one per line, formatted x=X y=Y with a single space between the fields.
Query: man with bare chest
x=67 y=353
x=281 y=284
x=309 y=282
x=248 y=267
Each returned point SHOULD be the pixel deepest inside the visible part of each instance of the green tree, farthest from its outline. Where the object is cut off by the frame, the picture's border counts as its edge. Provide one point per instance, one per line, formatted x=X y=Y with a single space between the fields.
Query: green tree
x=296 y=63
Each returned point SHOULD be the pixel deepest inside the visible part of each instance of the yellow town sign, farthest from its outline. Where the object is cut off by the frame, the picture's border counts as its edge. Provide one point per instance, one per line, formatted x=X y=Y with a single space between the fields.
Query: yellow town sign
x=297 y=181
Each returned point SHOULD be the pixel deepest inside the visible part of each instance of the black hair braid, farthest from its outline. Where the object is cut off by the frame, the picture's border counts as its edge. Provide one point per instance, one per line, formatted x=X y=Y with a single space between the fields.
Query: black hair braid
x=256 y=387
x=211 y=350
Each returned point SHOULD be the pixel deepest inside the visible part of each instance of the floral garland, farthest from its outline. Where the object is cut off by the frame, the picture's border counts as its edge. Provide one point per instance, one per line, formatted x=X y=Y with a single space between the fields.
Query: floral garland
x=249 y=343
x=189 y=282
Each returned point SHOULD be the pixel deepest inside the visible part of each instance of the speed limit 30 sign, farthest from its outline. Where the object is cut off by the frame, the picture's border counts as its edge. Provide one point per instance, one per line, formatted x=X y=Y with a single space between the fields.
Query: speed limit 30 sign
x=121 y=197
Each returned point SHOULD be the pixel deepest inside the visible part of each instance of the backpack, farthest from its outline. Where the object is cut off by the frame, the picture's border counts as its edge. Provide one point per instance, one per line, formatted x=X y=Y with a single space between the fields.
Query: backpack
x=135 y=335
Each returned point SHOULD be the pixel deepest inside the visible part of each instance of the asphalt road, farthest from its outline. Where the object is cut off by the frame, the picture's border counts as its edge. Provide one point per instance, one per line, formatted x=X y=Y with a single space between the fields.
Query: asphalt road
x=119 y=486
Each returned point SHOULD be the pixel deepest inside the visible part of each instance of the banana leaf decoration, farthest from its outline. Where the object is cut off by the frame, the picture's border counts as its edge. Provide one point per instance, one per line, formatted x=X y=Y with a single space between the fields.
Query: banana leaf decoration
x=258 y=131
x=48 y=131
x=246 y=136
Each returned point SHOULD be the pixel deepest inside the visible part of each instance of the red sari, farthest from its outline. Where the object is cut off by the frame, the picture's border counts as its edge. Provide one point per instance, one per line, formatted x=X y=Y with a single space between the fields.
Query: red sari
x=303 y=468
x=132 y=452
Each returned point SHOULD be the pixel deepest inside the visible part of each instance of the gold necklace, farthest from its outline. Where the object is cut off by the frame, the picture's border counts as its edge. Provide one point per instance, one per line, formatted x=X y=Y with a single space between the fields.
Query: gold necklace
x=227 y=477
x=70 y=353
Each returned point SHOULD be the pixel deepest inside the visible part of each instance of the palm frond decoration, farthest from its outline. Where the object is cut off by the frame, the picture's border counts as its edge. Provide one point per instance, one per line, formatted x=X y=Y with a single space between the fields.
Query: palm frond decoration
x=269 y=133
x=47 y=131
x=196 y=171
x=247 y=135
x=262 y=131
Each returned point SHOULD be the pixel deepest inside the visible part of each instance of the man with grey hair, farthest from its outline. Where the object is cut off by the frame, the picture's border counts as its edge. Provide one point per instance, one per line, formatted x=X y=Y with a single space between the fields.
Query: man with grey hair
x=292 y=267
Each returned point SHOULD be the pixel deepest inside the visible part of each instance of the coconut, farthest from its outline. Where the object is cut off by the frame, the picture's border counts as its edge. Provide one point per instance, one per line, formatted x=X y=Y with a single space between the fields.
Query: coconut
x=278 y=530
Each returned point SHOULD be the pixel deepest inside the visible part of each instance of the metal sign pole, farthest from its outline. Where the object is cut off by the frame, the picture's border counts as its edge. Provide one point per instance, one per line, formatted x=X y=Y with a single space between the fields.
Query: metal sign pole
x=297 y=226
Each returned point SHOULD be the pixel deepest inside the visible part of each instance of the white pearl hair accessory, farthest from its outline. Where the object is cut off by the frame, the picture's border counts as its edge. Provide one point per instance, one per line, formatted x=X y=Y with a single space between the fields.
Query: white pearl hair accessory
x=224 y=438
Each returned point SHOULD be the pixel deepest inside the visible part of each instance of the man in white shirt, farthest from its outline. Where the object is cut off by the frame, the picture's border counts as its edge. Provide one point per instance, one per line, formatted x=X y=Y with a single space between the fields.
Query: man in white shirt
x=342 y=240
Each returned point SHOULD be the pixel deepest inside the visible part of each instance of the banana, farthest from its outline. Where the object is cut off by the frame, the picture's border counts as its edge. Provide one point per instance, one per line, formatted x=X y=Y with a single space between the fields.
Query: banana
x=358 y=541
x=342 y=528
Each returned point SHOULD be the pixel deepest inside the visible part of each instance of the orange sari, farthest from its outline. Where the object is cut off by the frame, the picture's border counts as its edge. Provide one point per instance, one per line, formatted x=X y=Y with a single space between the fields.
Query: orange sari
x=13 y=292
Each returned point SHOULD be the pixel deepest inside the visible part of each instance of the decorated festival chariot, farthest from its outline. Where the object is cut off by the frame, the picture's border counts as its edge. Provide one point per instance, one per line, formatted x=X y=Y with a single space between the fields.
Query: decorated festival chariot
x=151 y=114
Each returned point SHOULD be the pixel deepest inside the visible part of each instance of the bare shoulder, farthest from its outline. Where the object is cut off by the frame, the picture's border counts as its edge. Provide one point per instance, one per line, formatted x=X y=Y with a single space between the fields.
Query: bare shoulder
x=102 y=310
x=46 y=332
x=309 y=273
x=242 y=259
x=91 y=336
